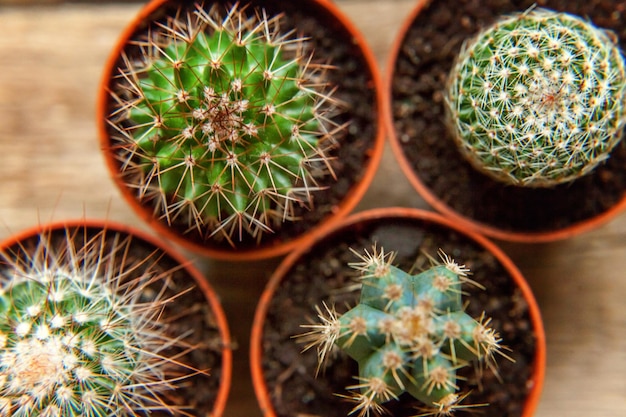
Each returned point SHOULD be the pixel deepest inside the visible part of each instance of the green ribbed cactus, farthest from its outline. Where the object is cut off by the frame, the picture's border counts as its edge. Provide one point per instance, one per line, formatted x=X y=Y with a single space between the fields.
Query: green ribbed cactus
x=538 y=98
x=225 y=122
x=81 y=336
x=408 y=333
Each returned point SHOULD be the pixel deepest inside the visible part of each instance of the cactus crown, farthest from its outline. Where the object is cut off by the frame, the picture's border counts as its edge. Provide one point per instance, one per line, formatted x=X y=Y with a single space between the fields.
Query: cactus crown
x=79 y=333
x=538 y=98
x=223 y=123
x=408 y=333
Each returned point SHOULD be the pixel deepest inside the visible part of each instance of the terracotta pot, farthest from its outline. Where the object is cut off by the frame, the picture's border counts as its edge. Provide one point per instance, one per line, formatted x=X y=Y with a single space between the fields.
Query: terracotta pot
x=445 y=199
x=386 y=227
x=361 y=174
x=27 y=240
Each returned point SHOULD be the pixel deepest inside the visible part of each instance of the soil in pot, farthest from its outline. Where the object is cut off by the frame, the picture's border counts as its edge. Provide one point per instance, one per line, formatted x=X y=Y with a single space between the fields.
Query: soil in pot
x=189 y=315
x=356 y=88
x=420 y=73
x=323 y=275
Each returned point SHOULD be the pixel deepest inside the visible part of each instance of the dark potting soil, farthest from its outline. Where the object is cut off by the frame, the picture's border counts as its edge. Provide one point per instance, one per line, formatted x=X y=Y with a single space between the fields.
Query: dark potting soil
x=324 y=275
x=355 y=88
x=420 y=74
x=188 y=315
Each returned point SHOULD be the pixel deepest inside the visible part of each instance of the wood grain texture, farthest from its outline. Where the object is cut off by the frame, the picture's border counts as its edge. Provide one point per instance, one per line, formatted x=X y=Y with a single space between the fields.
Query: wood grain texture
x=51 y=168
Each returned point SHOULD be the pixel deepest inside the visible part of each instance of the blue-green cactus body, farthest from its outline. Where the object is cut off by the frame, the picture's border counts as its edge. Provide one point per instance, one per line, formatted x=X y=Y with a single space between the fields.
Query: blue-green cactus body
x=373 y=368
x=424 y=389
x=401 y=313
x=409 y=333
x=364 y=339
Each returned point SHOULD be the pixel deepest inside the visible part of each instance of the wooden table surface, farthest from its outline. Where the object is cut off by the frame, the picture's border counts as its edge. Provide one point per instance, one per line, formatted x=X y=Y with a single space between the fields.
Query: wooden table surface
x=51 y=55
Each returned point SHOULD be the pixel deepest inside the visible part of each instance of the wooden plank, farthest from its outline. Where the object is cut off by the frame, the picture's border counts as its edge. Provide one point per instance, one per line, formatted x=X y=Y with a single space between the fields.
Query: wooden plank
x=51 y=62
x=50 y=65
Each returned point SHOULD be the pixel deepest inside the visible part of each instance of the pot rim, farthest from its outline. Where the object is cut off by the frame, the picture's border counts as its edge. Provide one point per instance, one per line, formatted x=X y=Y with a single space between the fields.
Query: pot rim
x=256 y=350
x=351 y=199
x=200 y=281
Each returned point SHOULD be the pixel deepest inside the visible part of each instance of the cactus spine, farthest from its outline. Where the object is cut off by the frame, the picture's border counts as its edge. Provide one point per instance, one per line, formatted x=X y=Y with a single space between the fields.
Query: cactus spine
x=80 y=334
x=538 y=98
x=408 y=333
x=224 y=123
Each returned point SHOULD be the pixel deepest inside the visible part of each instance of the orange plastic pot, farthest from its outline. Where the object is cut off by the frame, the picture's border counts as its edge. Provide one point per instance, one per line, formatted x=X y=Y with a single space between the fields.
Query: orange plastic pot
x=379 y=219
x=442 y=206
x=332 y=16
x=144 y=239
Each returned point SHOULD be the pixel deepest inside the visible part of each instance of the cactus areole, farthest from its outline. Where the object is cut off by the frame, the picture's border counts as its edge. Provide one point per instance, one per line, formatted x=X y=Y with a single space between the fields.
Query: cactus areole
x=538 y=99
x=223 y=121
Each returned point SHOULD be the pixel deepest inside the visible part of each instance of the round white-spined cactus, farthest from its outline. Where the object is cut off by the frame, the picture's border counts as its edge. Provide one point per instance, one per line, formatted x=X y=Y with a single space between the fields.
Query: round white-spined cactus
x=83 y=329
x=537 y=99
